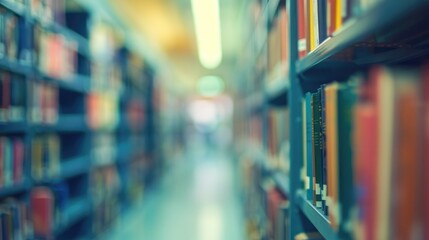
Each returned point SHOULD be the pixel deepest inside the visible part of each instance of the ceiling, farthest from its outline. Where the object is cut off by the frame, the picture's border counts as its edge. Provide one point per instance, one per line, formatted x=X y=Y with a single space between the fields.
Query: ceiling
x=167 y=25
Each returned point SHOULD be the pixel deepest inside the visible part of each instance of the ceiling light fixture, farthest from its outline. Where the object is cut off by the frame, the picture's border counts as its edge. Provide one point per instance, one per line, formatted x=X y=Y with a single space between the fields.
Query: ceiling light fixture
x=207 y=28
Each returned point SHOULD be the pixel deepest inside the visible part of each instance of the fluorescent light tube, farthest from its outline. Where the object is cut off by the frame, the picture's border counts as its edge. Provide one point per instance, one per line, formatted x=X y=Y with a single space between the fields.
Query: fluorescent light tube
x=207 y=28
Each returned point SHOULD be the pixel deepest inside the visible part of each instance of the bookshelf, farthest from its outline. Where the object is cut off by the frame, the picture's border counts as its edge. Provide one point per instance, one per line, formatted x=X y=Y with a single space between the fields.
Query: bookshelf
x=65 y=116
x=388 y=33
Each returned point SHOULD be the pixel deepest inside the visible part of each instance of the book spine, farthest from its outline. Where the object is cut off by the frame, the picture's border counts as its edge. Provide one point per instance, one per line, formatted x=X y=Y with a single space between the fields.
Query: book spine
x=304 y=179
x=323 y=146
x=4 y=113
x=309 y=119
x=315 y=21
x=425 y=167
x=316 y=149
x=8 y=162
x=302 y=44
x=322 y=17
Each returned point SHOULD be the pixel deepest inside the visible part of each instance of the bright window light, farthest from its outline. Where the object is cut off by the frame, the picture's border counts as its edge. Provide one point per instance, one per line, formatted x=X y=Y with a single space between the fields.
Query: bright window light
x=207 y=28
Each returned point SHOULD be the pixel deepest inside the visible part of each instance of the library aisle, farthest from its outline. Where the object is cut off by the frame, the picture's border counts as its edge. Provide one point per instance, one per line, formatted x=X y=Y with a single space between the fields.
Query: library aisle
x=197 y=200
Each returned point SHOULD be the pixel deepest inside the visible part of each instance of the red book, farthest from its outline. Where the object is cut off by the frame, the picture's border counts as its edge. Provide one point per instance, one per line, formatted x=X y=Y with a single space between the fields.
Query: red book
x=302 y=45
x=42 y=203
x=425 y=168
x=406 y=157
x=4 y=113
x=366 y=167
x=18 y=160
x=2 y=160
x=284 y=35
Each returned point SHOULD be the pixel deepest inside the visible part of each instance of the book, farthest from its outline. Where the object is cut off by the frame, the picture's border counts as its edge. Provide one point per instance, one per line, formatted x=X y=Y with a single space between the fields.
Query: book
x=302 y=26
x=310 y=25
x=324 y=189
x=317 y=149
x=330 y=16
x=322 y=20
x=407 y=153
x=5 y=97
x=332 y=152
x=304 y=178
x=366 y=167
x=346 y=99
x=384 y=89
x=10 y=28
x=42 y=210
x=309 y=147
x=18 y=160
x=17 y=99
x=425 y=165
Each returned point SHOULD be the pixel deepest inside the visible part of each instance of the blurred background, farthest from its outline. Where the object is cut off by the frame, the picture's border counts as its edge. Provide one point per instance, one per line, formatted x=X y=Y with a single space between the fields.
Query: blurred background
x=214 y=119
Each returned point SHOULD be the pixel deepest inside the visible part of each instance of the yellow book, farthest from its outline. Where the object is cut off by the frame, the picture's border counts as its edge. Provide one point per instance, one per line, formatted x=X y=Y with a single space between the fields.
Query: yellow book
x=338 y=14
x=310 y=25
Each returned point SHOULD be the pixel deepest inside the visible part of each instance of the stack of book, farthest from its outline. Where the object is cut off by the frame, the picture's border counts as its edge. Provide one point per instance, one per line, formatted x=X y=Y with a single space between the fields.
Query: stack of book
x=14 y=220
x=278 y=46
x=321 y=19
x=12 y=98
x=105 y=185
x=44 y=104
x=364 y=149
x=12 y=154
x=55 y=54
x=45 y=157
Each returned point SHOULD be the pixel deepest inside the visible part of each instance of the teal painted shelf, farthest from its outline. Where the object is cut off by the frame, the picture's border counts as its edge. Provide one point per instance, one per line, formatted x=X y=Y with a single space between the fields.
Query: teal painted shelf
x=382 y=15
x=76 y=210
x=317 y=218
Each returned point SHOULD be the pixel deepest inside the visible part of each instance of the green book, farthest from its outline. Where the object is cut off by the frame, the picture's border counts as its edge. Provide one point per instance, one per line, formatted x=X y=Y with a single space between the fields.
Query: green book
x=317 y=150
x=347 y=96
x=309 y=146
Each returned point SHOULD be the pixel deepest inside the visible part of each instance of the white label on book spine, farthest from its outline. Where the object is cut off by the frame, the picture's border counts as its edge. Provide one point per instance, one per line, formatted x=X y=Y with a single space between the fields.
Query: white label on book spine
x=307 y=183
x=317 y=189
x=318 y=204
x=302 y=44
x=324 y=192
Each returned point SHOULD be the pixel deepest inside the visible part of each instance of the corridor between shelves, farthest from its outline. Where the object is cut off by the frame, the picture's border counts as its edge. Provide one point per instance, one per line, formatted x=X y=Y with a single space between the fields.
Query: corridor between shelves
x=197 y=199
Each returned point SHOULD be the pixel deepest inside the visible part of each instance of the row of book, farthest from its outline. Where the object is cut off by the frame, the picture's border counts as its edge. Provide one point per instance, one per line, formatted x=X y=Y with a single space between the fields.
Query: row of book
x=103 y=148
x=365 y=156
x=105 y=182
x=12 y=155
x=105 y=186
x=48 y=209
x=278 y=137
x=45 y=156
x=54 y=54
x=48 y=10
x=278 y=45
x=102 y=110
x=12 y=98
x=44 y=103
x=14 y=220
x=321 y=19
x=10 y=40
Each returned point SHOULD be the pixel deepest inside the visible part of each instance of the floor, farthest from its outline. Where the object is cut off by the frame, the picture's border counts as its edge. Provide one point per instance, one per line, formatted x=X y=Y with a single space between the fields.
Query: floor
x=196 y=200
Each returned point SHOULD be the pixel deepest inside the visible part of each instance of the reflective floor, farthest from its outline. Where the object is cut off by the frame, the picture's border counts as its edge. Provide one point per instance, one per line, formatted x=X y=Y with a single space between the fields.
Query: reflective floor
x=197 y=199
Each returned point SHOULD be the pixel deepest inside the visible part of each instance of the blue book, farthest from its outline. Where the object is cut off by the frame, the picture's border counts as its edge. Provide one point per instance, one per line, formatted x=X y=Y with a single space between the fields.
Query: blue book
x=309 y=123
x=322 y=16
